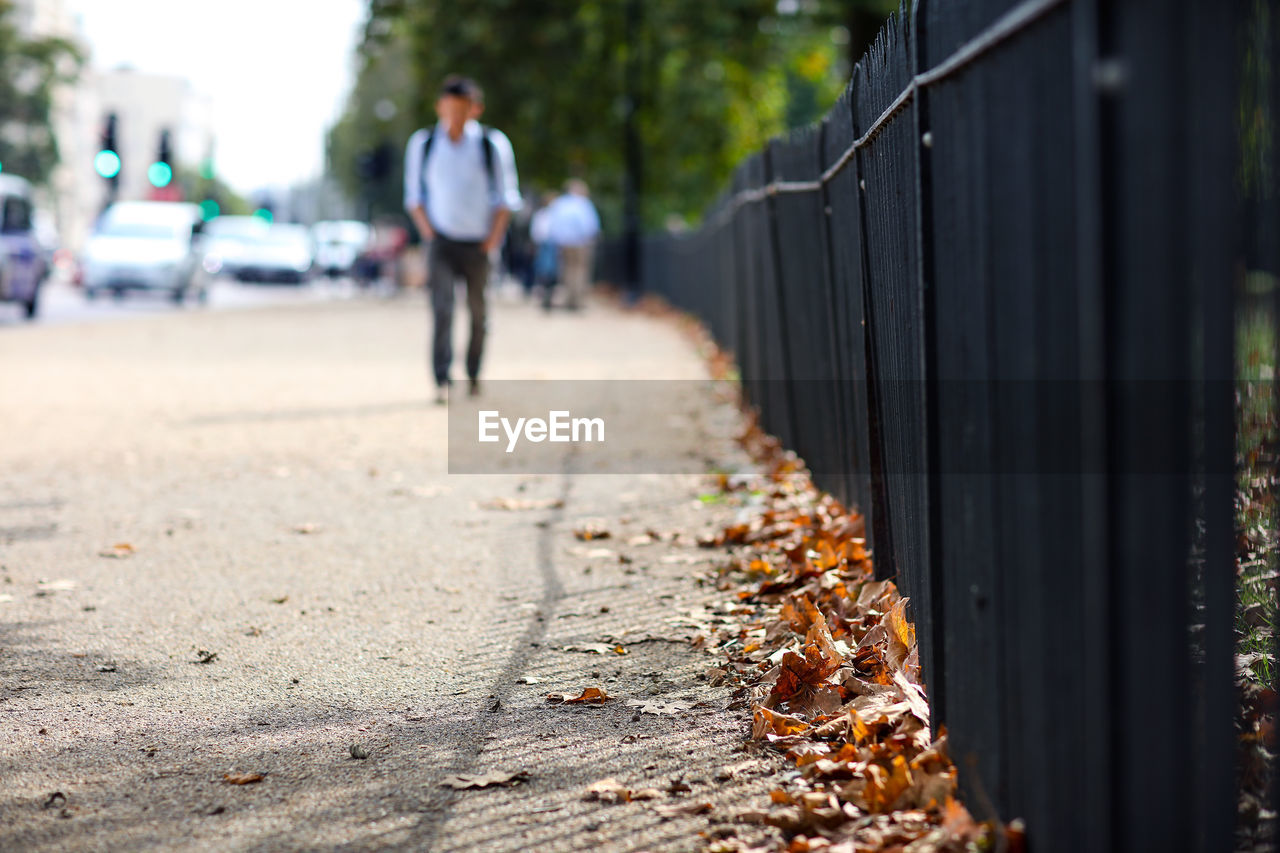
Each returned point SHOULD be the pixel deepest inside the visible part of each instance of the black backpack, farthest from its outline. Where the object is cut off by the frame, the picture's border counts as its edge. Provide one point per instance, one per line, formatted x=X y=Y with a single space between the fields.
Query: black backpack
x=486 y=147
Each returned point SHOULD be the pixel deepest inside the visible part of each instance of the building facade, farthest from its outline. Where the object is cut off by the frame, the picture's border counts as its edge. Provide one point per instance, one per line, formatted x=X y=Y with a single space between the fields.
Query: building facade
x=144 y=105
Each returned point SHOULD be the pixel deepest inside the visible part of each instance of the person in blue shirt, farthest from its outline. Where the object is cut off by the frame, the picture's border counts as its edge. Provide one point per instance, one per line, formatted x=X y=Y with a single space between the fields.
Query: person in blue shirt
x=573 y=225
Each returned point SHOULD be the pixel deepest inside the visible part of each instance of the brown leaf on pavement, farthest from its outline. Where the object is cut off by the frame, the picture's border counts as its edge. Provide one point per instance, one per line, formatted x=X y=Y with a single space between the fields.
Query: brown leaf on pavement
x=485 y=780
x=684 y=809
x=598 y=649
x=519 y=504
x=242 y=778
x=589 y=696
x=653 y=706
x=608 y=791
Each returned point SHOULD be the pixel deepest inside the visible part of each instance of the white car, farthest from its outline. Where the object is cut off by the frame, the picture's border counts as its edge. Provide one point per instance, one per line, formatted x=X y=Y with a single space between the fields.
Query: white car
x=21 y=260
x=225 y=240
x=281 y=253
x=339 y=244
x=144 y=245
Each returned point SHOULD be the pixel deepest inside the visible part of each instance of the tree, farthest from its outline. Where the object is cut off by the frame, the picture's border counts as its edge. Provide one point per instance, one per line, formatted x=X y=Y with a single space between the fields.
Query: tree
x=716 y=80
x=30 y=70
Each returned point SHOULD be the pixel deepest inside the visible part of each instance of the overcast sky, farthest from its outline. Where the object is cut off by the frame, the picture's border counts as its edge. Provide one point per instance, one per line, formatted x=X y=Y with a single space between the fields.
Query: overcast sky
x=277 y=70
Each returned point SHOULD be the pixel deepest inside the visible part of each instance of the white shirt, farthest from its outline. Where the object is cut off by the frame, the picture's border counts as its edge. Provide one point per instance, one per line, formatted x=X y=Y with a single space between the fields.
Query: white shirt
x=572 y=221
x=457 y=194
x=540 y=226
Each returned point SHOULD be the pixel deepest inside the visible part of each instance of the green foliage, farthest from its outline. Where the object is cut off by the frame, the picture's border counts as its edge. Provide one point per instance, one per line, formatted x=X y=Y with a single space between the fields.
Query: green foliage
x=716 y=80
x=30 y=69
x=198 y=184
x=1257 y=96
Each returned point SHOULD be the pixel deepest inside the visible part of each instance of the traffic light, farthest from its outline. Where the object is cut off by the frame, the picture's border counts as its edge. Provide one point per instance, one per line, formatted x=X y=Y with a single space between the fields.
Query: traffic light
x=160 y=173
x=107 y=161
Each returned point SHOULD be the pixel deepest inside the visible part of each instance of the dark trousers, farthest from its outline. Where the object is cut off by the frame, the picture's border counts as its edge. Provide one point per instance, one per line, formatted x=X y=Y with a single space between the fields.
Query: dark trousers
x=447 y=261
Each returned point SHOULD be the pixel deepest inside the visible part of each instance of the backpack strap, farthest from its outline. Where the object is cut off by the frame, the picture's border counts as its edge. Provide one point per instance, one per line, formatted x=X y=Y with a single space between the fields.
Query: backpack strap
x=489 y=155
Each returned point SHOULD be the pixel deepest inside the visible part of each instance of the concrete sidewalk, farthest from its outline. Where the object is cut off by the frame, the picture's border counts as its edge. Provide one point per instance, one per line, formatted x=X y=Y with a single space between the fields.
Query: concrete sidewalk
x=278 y=476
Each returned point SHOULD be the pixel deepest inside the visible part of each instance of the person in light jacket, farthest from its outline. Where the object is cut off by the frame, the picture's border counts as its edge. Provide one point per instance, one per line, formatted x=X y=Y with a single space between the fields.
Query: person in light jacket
x=573 y=225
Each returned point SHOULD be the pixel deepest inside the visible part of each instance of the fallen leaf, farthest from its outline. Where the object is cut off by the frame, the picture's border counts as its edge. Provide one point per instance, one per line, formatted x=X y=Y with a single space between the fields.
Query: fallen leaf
x=242 y=778
x=591 y=531
x=684 y=809
x=118 y=551
x=608 y=791
x=589 y=696
x=654 y=706
x=516 y=504
x=597 y=649
x=485 y=780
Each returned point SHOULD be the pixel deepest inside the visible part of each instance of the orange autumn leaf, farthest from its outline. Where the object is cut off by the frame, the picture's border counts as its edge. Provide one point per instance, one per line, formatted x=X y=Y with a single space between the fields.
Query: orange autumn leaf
x=770 y=722
x=589 y=696
x=884 y=786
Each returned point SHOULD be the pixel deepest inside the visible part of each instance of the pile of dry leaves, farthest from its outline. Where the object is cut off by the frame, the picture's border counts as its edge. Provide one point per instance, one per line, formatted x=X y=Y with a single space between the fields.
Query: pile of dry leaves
x=826 y=660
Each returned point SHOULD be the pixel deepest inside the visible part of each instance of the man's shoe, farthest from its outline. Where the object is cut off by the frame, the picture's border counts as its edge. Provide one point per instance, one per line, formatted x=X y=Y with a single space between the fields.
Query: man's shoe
x=473 y=388
x=442 y=393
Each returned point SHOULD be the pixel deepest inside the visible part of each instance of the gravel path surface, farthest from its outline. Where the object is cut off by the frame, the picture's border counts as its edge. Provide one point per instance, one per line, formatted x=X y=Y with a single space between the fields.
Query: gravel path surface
x=278 y=476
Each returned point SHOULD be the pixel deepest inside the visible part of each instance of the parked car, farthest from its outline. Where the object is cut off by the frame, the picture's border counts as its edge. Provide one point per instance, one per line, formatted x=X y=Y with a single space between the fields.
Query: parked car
x=339 y=244
x=145 y=245
x=224 y=241
x=22 y=266
x=282 y=253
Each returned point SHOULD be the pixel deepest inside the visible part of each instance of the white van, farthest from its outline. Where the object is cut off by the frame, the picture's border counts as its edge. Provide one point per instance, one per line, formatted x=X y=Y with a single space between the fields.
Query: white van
x=22 y=263
x=145 y=245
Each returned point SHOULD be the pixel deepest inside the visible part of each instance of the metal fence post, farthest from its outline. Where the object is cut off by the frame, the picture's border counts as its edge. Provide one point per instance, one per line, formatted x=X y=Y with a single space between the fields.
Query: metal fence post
x=788 y=372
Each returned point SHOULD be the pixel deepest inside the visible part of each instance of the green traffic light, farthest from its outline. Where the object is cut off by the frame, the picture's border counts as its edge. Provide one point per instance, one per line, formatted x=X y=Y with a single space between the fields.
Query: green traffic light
x=160 y=174
x=209 y=209
x=107 y=163
x=263 y=214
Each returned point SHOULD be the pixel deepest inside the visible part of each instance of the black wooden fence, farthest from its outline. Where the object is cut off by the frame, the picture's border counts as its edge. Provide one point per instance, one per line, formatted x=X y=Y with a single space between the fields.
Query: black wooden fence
x=989 y=300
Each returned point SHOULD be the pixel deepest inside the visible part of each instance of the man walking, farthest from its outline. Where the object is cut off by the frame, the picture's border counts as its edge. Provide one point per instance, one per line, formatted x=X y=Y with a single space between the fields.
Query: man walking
x=459 y=189
x=573 y=225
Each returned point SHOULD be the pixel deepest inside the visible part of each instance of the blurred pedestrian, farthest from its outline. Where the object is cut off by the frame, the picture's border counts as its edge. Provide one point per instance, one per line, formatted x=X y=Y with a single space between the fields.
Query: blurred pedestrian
x=546 y=263
x=459 y=189
x=518 y=252
x=573 y=225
